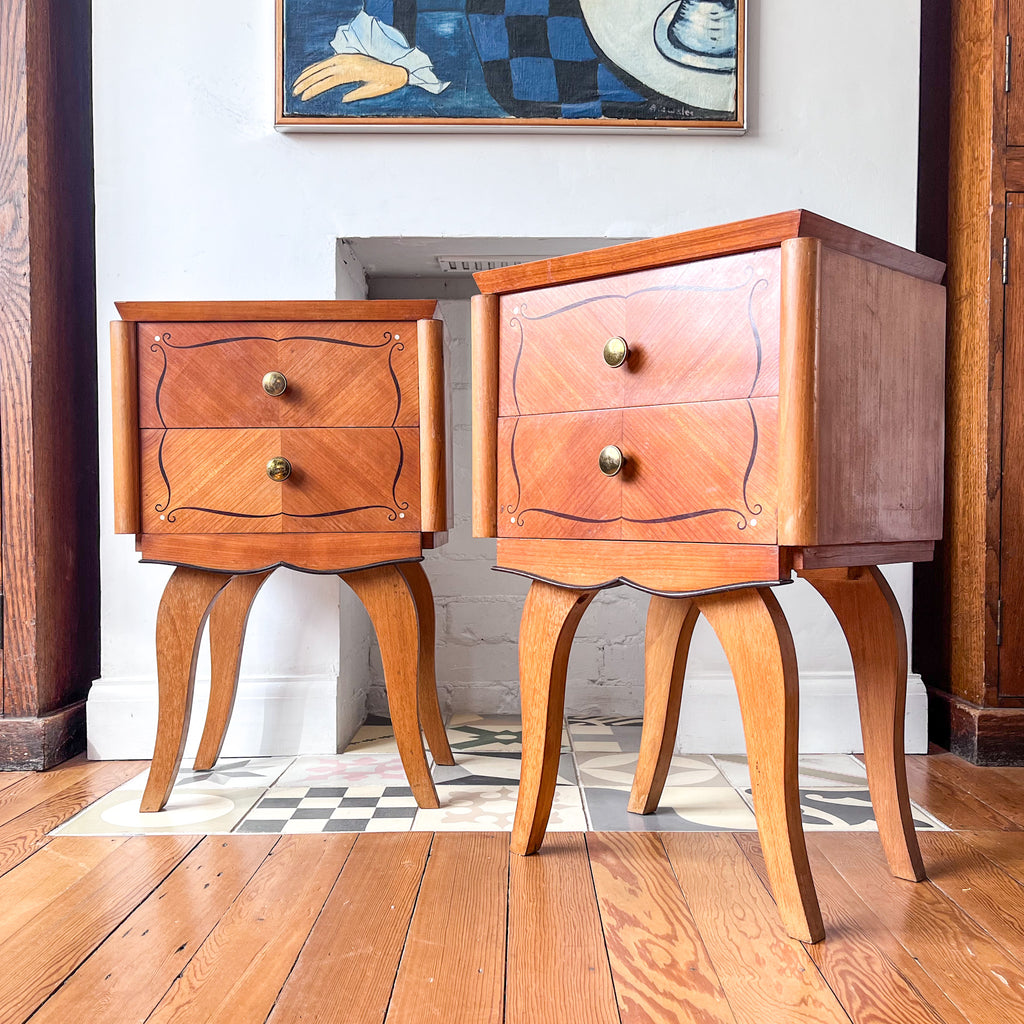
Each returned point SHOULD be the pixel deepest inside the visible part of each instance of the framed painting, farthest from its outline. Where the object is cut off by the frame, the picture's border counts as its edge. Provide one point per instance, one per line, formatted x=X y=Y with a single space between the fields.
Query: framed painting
x=510 y=64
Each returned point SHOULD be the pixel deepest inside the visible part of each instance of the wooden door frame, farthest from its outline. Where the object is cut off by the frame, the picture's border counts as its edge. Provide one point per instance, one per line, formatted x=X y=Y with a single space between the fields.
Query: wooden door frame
x=49 y=509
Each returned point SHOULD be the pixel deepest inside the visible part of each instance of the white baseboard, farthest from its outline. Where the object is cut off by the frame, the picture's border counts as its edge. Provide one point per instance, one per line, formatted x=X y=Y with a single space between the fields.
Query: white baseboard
x=272 y=717
x=709 y=721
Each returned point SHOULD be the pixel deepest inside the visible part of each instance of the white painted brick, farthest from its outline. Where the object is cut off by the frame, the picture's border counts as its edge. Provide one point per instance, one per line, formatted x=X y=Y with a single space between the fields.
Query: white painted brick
x=616 y=615
x=483 y=621
x=624 y=664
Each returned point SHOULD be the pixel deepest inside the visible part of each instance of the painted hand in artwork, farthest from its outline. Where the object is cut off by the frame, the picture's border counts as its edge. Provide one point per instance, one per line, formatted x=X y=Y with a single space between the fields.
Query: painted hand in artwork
x=377 y=77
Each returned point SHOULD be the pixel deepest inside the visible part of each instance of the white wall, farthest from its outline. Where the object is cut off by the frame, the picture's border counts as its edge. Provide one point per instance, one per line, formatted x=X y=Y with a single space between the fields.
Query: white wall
x=199 y=198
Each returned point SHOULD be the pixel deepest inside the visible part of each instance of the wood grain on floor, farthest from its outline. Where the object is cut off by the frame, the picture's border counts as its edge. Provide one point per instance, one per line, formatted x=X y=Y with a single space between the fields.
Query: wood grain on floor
x=413 y=928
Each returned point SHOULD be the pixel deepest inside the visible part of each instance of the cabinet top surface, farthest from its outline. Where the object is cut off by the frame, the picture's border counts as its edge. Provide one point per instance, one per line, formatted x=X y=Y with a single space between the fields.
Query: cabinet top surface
x=721 y=240
x=368 y=309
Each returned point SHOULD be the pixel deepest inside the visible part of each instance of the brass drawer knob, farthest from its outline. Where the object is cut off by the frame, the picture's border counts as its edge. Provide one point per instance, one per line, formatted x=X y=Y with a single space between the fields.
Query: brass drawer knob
x=616 y=351
x=611 y=460
x=274 y=383
x=279 y=468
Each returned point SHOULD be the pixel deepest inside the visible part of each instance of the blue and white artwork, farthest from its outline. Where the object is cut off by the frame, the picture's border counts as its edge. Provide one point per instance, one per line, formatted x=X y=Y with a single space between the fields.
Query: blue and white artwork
x=493 y=61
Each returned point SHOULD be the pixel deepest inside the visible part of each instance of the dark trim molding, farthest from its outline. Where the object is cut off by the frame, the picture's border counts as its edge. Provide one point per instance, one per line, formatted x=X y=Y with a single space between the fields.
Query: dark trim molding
x=985 y=736
x=49 y=560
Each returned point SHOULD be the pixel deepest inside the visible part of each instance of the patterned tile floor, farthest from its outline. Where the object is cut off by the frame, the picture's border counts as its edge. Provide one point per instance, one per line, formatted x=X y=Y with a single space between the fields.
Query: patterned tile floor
x=364 y=789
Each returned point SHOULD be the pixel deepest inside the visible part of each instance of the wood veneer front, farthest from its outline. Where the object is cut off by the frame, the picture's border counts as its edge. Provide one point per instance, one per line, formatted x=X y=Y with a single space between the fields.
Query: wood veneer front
x=700 y=472
x=362 y=479
x=696 y=332
x=210 y=374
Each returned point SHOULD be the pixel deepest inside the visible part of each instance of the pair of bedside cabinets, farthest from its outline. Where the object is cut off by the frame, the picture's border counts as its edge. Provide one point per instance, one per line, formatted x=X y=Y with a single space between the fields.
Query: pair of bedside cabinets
x=700 y=416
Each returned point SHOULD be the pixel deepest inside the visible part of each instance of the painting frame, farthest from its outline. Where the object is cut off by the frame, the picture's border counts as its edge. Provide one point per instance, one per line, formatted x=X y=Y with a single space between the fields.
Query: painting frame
x=289 y=118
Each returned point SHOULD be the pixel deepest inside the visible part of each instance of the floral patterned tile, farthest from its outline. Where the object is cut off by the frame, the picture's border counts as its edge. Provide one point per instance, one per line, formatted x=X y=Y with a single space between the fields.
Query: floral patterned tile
x=607 y=734
x=497 y=769
x=493 y=809
x=356 y=767
x=227 y=773
x=682 y=809
x=490 y=734
x=823 y=771
x=188 y=810
x=845 y=810
x=615 y=771
x=321 y=808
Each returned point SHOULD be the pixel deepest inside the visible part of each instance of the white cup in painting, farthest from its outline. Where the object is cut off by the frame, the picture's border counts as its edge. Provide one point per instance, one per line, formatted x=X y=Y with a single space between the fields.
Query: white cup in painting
x=686 y=50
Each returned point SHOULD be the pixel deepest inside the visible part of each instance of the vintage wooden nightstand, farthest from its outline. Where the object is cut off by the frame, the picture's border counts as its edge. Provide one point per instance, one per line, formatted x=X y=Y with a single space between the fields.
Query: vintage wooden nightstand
x=251 y=435
x=700 y=416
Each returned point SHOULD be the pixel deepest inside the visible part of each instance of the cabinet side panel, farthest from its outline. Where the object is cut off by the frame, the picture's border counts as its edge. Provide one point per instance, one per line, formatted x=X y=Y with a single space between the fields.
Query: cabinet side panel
x=433 y=464
x=485 y=415
x=124 y=386
x=881 y=362
x=798 y=424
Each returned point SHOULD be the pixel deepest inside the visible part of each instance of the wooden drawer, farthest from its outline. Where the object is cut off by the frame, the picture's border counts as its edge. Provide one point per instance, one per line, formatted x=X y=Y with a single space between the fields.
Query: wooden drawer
x=209 y=374
x=703 y=472
x=696 y=332
x=215 y=481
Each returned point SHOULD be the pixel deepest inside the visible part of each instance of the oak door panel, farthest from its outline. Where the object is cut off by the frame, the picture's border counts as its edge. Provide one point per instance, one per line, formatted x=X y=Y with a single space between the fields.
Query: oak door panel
x=549 y=483
x=339 y=374
x=699 y=331
x=1014 y=101
x=703 y=472
x=1011 y=590
x=215 y=481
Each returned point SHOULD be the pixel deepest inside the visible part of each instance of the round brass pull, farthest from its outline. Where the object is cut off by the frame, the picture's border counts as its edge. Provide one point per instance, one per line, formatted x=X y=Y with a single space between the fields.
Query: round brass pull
x=616 y=351
x=274 y=383
x=279 y=468
x=611 y=460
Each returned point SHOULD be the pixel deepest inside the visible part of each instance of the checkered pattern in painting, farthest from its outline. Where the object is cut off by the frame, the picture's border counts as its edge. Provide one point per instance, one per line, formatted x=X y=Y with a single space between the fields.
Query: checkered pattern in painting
x=540 y=62
x=333 y=809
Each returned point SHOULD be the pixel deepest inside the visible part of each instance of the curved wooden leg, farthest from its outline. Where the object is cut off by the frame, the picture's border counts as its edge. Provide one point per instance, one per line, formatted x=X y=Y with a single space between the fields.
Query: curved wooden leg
x=759 y=646
x=430 y=709
x=228 y=617
x=871 y=619
x=670 y=622
x=550 y=617
x=387 y=597
x=179 y=628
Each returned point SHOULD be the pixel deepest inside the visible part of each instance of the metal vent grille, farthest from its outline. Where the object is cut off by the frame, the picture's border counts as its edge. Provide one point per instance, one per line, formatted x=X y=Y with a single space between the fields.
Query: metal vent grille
x=474 y=264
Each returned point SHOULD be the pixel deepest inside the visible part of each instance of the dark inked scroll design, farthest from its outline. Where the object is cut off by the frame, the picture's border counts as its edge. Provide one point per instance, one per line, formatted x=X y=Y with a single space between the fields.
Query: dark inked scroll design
x=742 y=521
x=397 y=347
x=165 y=504
x=171 y=513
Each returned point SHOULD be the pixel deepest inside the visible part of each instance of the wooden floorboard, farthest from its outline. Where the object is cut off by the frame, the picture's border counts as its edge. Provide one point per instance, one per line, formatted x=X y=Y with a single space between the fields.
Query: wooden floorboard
x=347 y=968
x=983 y=979
x=558 y=968
x=238 y=972
x=62 y=935
x=661 y=970
x=453 y=966
x=872 y=975
x=768 y=977
x=158 y=939
x=602 y=928
x=931 y=787
x=22 y=834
